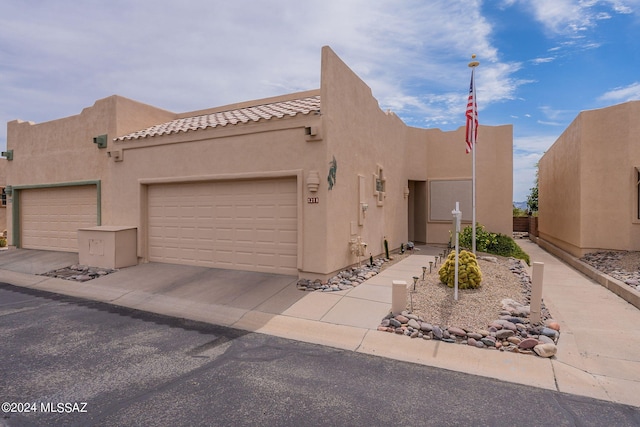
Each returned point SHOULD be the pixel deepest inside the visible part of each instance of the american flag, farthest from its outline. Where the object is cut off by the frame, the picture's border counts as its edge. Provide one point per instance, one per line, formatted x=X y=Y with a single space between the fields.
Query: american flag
x=472 y=117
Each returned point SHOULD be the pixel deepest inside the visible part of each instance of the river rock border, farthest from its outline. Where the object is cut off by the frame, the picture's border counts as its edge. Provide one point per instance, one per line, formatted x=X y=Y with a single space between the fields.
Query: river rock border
x=344 y=280
x=512 y=331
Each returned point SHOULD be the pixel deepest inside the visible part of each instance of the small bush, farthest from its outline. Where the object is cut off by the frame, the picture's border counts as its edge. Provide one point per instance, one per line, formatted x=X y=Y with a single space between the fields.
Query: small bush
x=3 y=242
x=484 y=239
x=493 y=243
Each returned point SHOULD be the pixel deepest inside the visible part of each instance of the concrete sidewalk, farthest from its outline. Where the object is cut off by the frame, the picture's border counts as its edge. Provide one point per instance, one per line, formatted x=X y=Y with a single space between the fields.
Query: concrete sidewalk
x=598 y=352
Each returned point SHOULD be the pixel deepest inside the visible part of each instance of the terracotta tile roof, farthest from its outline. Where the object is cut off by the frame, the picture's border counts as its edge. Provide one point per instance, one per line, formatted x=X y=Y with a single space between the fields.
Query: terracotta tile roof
x=223 y=118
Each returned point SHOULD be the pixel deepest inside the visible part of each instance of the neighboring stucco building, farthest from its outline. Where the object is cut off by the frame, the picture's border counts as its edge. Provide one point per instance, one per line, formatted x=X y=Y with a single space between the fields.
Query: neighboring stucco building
x=589 y=179
x=281 y=185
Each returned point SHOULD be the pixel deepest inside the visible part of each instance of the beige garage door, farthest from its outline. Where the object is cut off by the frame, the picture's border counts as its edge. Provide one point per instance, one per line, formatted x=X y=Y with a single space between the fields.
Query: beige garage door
x=50 y=217
x=240 y=225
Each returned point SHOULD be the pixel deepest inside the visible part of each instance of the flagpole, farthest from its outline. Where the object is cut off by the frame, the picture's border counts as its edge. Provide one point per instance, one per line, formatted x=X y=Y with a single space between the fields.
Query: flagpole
x=473 y=64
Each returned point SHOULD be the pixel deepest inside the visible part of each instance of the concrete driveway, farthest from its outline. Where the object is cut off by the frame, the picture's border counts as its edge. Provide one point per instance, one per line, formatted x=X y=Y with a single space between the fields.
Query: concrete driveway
x=29 y=261
x=177 y=290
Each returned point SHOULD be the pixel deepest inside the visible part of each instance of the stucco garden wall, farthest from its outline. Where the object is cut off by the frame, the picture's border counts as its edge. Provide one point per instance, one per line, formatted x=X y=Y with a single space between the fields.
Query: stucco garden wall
x=588 y=183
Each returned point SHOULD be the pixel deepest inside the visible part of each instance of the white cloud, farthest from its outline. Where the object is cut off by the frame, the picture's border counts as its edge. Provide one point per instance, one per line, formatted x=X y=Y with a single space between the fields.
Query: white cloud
x=549 y=123
x=622 y=6
x=200 y=54
x=622 y=94
x=574 y=17
x=533 y=144
x=554 y=115
x=537 y=61
x=560 y=16
x=527 y=152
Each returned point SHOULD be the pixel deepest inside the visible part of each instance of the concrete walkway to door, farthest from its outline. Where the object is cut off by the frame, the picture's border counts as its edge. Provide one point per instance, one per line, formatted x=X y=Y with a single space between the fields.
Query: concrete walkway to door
x=597 y=353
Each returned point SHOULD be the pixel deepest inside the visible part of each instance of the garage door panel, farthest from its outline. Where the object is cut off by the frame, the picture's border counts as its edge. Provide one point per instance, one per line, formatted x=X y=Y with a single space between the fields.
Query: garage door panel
x=50 y=217
x=249 y=225
x=288 y=237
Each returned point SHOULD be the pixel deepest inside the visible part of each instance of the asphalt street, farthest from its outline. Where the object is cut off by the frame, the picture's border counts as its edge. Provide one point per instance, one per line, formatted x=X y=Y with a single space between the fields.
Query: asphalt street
x=67 y=361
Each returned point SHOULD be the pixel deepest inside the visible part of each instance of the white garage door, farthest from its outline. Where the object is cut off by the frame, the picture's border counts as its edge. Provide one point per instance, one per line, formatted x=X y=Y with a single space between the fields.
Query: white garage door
x=50 y=217
x=241 y=225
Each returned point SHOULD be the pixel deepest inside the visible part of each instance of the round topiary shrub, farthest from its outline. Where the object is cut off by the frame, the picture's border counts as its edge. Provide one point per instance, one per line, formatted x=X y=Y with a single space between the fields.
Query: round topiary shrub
x=469 y=274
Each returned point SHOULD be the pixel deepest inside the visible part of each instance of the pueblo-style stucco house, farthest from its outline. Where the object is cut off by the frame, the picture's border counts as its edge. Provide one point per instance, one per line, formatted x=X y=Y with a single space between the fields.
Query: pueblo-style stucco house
x=589 y=183
x=293 y=184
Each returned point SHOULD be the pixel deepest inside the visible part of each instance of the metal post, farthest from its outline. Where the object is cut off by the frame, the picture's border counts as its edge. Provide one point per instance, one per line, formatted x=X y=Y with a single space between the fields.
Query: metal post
x=473 y=64
x=457 y=217
x=536 y=292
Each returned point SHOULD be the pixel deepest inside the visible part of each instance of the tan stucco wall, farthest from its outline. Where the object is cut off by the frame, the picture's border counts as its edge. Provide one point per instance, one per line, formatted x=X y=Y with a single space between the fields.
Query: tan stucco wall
x=62 y=151
x=363 y=136
x=273 y=148
x=587 y=183
x=446 y=159
x=352 y=128
x=360 y=136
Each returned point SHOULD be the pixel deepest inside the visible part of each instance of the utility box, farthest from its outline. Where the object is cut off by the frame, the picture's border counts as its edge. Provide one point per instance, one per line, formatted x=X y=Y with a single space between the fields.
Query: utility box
x=108 y=246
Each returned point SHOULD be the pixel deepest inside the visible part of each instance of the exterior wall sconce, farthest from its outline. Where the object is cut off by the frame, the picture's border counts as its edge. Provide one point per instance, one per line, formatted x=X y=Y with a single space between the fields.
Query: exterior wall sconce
x=312 y=133
x=8 y=154
x=406 y=192
x=313 y=181
x=364 y=206
x=100 y=141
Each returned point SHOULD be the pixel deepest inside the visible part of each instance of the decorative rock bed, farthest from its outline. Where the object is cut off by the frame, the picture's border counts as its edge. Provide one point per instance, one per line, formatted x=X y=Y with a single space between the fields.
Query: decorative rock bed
x=511 y=331
x=344 y=280
x=609 y=262
x=79 y=273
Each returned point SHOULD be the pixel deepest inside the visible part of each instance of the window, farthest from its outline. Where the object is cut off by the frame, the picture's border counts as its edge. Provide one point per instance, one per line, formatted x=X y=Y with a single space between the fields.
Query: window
x=443 y=195
x=4 y=198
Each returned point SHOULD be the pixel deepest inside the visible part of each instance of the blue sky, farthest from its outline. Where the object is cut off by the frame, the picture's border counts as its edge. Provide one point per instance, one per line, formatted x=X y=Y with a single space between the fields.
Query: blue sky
x=542 y=61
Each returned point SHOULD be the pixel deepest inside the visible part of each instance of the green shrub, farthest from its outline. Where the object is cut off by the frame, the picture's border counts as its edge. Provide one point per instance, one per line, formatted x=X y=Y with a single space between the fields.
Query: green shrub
x=484 y=239
x=3 y=242
x=469 y=274
x=493 y=243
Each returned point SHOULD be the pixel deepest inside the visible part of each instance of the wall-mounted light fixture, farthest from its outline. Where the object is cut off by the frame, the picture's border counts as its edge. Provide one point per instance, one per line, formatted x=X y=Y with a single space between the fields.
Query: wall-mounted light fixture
x=100 y=141
x=313 y=181
x=8 y=154
x=312 y=133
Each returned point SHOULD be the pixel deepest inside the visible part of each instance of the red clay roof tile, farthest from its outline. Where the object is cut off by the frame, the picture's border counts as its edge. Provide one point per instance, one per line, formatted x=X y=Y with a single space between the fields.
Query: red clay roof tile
x=244 y=115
